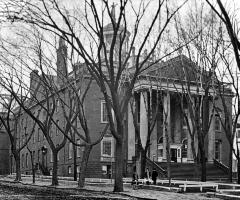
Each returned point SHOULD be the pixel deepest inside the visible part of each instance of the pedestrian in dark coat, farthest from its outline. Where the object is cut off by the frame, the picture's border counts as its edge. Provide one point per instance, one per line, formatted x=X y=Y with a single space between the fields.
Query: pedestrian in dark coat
x=154 y=176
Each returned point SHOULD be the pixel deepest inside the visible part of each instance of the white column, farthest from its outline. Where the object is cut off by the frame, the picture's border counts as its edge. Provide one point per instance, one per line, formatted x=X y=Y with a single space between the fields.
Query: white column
x=143 y=118
x=166 y=118
x=131 y=134
x=211 y=140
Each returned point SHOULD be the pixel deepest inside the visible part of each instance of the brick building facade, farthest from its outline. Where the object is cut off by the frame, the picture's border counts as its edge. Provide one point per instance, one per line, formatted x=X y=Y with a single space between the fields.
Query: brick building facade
x=101 y=160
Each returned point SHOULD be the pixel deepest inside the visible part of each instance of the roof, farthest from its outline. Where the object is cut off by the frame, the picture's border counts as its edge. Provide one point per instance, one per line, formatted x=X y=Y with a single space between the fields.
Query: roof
x=179 y=67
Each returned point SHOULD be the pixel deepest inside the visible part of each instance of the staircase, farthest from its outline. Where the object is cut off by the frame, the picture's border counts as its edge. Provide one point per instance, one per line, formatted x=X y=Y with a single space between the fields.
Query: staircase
x=191 y=172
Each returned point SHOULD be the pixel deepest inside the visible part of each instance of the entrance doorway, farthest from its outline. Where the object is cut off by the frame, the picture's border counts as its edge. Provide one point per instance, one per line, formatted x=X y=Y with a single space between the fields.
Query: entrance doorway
x=173 y=153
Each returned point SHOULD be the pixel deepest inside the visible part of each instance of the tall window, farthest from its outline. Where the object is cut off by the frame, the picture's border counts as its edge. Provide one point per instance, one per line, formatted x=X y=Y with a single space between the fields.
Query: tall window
x=107 y=146
x=23 y=139
x=69 y=170
x=38 y=155
x=78 y=169
x=57 y=130
x=50 y=130
x=51 y=156
x=22 y=160
x=217 y=150
x=104 y=115
x=38 y=134
x=57 y=105
x=217 y=123
x=185 y=114
x=70 y=150
x=26 y=160
x=78 y=149
x=33 y=135
x=33 y=157
x=184 y=148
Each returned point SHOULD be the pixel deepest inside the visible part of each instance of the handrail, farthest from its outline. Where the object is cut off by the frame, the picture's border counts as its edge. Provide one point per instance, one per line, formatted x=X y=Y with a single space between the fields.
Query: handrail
x=160 y=169
x=221 y=165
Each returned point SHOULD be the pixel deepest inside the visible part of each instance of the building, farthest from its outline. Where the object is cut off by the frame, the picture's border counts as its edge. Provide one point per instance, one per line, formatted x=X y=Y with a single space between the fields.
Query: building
x=101 y=160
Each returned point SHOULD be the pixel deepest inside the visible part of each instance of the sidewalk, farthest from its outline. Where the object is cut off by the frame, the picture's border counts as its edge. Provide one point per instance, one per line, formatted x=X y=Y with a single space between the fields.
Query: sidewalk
x=105 y=185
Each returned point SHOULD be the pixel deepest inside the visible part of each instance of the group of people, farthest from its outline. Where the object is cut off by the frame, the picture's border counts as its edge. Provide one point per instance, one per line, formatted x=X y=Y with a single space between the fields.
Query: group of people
x=147 y=176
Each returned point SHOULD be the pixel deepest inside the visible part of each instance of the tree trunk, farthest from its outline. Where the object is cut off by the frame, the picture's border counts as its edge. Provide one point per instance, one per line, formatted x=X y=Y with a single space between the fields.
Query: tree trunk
x=194 y=158
x=74 y=162
x=18 y=167
x=168 y=164
x=230 y=166
x=118 y=185
x=55 y=169
x=203 y=165
x=143 y=158
x=84 y=162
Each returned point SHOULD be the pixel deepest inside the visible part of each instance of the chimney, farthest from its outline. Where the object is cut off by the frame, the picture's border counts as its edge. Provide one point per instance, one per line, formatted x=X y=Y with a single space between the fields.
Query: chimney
x=62 y=72
x=34 y=79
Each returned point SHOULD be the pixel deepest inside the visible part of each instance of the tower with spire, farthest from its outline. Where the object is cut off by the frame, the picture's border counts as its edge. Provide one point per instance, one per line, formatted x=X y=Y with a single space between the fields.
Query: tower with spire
x=108 y=33
x=62 y=71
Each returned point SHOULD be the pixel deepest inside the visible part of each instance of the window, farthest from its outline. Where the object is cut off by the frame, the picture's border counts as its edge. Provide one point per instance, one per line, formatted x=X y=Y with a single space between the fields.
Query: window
x=78 y=148
x=38 y=134
x=70 y=150
x=104 y=115
x=33 y=135
x=107 y=147
x=51 y=156
x=78 y=169
x=184 y=148
x=217 y=123
x=38 y=155
x=57 y=105
x=26 y=160
x=51 y=106
x=57 y=130
x=58 y=153
x=23 y=139
x=69 y=170
x=33 y=157
x=22 y=160
x=185 y=114
x=50 y=130
x=160 y=152
x=217 y=149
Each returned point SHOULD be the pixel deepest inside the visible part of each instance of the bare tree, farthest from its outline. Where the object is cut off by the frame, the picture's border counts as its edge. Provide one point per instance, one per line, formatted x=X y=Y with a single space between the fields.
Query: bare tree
x=10 y=121
x=107 y=59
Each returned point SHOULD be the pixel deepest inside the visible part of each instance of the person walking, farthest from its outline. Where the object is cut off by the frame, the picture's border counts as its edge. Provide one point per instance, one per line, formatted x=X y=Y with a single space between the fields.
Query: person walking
x=154 y=176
